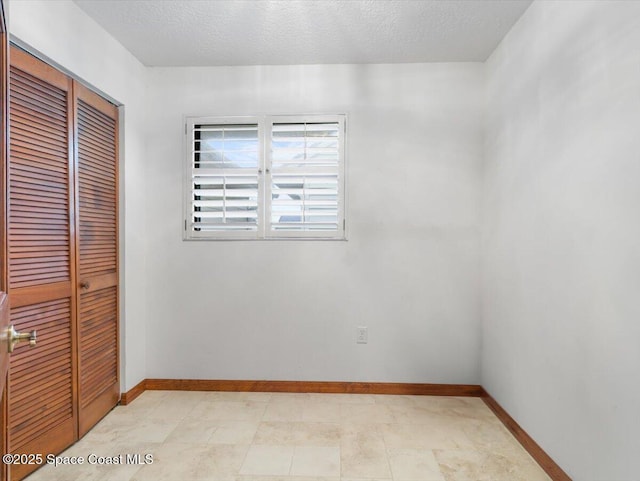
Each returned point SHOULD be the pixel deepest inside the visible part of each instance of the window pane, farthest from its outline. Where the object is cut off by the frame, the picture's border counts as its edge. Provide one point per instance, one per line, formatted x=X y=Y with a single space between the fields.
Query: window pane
x=304 y=144
x=224 y=178
x=305 y=159
x=228 y=146
x=306 y=203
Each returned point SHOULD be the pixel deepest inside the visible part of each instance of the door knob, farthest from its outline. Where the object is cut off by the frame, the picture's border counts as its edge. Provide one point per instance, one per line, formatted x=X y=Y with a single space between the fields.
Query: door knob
x=14 y=337
x=85 y=285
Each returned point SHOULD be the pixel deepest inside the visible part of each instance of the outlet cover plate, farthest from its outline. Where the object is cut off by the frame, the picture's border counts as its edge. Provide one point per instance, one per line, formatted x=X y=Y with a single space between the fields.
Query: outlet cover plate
x=362 y=334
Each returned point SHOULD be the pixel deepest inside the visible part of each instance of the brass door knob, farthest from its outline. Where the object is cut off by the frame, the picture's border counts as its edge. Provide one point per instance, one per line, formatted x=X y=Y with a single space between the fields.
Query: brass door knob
x=85 y=285
x=14 y=337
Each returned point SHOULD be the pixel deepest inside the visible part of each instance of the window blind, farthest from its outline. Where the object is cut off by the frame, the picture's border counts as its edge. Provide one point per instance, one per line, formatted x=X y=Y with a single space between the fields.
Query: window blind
x=304 y=187
x=265 y=177
x=224 y=178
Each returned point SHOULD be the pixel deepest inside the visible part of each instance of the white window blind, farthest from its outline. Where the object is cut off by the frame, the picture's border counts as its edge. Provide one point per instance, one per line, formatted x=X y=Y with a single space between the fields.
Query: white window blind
x=304 y=188
x=270 y=177
x=224 y=179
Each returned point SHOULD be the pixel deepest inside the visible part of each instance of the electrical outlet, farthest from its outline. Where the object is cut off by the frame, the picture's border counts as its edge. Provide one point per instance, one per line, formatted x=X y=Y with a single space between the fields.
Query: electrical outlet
x=362 y=335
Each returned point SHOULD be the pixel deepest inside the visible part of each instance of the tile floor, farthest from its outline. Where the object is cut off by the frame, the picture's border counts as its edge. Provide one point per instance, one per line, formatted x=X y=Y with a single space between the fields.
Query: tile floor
x=300 y=437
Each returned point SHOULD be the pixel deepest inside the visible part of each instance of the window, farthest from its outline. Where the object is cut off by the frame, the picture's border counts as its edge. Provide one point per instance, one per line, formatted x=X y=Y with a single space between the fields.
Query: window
x=263 y=178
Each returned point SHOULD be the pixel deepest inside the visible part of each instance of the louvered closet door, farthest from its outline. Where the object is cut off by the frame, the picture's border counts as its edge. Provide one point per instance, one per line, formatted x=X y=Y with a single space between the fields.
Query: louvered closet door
x=97 y=220
x=42 y=409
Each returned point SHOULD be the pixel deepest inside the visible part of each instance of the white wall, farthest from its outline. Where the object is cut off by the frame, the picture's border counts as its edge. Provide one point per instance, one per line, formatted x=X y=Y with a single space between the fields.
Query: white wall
x=561 y=234
x=65 y=34
x=288 y=309
x=409 y=270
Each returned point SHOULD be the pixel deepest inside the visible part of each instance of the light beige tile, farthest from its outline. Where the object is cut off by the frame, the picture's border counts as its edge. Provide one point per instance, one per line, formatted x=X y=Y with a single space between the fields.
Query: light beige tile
x=183 y=395
x=154 y=394
x=316 y=461
x=86 y=446
x=97 y=472
x=488 y=435
x=119 y=473
x=365 y=479
x=233 y=432
x=290 y=410
x=100 y=473
x=366 y=413
x=172 y=410
x=394 y=400
x=343 y=398
x=413 y=414
x=268 y=460
x=193 y=431
x=193 y=461
x=487 y=466
x=304 y=434
x=213 y=396
x=473 y=408
x=424 y=411
x=236 y=396
x=206 y=436
x=289 y=478
x=62 y=473
x=279 y=397
x=229 y=411
x=439 y=434
x=275 y=433
x=363 y=453
x=453 y=406
x=142 y=405
x=132 y=428
x=175 y=406
x=316 y=412
x=414 y=465
x=261 y=397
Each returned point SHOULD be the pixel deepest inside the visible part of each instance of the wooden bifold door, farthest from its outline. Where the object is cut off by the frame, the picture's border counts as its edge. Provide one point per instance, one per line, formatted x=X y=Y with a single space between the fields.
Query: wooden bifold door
x=62 y=256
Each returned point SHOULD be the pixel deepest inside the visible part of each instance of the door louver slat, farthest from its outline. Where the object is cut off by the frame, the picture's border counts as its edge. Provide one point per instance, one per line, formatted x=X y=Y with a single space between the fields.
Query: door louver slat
x=46 y=407
x=46 y=180
x=98 y=234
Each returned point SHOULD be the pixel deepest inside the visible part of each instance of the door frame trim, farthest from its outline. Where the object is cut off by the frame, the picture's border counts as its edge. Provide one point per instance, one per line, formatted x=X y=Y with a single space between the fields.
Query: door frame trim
x=4 y=157
x=16 y=42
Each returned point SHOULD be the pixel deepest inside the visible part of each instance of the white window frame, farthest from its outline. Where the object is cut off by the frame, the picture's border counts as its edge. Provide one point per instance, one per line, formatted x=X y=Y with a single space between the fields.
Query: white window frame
x=264 y=171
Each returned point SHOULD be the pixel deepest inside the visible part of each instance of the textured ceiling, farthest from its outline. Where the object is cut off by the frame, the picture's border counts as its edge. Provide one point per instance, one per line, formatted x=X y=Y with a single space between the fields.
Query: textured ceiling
x=272 y=32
